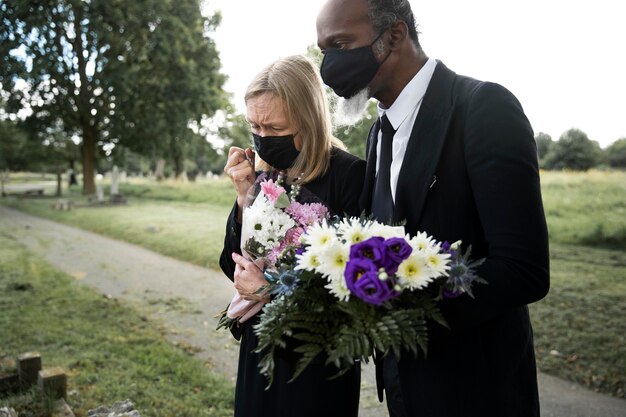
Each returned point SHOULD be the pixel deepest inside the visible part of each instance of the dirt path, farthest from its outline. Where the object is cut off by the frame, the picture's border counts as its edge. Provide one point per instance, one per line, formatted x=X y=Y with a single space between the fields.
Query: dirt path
x=186 y=298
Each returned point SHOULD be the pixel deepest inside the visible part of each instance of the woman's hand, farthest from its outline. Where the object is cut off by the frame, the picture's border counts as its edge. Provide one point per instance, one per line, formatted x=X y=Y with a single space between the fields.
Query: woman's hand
x=249 y=279
x=240 y=168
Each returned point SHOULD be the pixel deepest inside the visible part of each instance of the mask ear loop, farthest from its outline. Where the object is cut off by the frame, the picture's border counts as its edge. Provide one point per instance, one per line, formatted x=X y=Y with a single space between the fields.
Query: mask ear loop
x=379 y=46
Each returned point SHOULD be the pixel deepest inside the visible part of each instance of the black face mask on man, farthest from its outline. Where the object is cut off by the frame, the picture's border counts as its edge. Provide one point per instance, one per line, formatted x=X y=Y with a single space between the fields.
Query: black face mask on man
x=278 y=151
x=348 y=71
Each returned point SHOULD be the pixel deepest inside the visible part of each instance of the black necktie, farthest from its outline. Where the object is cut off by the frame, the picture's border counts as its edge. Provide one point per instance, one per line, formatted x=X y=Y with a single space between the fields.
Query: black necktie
x=382 y=203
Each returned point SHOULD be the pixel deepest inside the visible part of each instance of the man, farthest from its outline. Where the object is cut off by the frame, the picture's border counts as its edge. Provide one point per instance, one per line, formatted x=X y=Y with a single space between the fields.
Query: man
x=461 y=163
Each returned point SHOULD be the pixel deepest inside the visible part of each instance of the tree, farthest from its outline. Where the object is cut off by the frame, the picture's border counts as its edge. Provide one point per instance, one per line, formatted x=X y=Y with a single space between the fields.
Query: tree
x=111 y=71
x=574 y=150
x=616 y=154
x=13 y=142
x=544 y=144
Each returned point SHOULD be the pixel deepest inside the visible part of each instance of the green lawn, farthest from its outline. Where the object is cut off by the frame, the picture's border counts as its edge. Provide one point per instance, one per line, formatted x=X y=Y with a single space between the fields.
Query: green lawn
x=579 y=327
x=582 y=318
x=184 y=221
x=109 y=350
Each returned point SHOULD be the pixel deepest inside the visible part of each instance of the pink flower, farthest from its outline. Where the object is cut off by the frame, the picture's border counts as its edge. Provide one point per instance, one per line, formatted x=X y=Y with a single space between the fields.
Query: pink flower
x=307 y=214
x=272 y=190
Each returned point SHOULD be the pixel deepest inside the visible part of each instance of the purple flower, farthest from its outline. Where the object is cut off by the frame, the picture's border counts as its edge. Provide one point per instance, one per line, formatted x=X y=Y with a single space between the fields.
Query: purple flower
x=397 y=249
x=356 y=268
x=369 y=288
x=372 y=249
x=362 y=280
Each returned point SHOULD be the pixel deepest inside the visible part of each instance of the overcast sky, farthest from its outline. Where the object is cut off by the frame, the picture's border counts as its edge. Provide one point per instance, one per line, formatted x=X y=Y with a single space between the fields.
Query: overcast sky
x=564 y=60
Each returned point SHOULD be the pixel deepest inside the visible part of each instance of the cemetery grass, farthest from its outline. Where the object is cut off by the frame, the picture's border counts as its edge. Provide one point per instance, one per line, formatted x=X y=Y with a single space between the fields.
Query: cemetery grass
x=579 y=331
x=184 y=221
x=109 y=351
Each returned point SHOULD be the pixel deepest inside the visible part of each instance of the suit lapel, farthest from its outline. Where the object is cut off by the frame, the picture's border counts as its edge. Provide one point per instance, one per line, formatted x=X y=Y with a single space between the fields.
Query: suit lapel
x=417 y=174
x=365 y=201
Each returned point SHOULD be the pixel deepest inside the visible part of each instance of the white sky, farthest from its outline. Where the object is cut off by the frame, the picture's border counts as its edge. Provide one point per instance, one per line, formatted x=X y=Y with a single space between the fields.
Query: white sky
x=564 y=60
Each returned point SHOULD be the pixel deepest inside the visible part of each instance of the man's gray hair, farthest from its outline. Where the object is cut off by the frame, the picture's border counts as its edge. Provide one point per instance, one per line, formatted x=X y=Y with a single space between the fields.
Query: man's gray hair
x=384 y=13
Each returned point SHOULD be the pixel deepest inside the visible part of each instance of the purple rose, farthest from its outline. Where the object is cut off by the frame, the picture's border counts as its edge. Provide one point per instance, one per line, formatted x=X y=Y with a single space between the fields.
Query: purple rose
x=372 y=249
x=369 y=288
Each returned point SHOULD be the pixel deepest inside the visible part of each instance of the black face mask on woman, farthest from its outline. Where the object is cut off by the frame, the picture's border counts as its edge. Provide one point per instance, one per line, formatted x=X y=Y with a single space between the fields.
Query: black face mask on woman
x=348 y=71
x=278 y=151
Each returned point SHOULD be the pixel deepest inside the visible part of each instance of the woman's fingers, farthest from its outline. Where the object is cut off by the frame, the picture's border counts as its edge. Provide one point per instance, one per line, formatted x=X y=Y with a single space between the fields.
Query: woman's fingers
x=243 y=262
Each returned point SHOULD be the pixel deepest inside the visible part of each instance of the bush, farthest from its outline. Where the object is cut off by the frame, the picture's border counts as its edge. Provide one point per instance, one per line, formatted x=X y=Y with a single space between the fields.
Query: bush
x=616 y=154
x=573 y=151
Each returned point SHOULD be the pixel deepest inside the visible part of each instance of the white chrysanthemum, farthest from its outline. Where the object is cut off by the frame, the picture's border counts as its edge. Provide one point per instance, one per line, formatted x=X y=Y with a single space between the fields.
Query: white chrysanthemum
x=266 y=224
x=352 y=231
x=308 y=261
x=386 y=231
x=338 y=287
x=422 y=242
x=319 y=236
x=414 y=272
x=334 y=258
x=438 y=262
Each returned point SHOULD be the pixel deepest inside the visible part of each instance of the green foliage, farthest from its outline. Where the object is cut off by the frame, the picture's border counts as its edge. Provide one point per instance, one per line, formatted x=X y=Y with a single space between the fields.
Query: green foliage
x=355 y=136
x=616 y=154
x=544 y=145
x=13 y=142
x=236 y=132
x=109 y=350
x=111 y=72
x=312 y=323
x=573 y=151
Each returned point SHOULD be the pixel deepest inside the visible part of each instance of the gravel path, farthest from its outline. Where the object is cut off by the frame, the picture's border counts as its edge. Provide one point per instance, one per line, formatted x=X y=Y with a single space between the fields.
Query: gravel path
x=186 y=298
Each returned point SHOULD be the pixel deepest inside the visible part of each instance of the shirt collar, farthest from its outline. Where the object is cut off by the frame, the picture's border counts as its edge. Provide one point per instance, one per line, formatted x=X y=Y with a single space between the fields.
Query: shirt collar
x=410 y=96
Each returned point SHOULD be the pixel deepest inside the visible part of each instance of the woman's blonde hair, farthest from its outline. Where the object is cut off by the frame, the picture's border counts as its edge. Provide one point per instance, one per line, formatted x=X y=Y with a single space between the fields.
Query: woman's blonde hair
x=296 y=82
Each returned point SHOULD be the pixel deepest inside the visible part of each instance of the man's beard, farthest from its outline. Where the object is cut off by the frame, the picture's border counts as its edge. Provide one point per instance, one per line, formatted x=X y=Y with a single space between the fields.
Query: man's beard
x=350 y=110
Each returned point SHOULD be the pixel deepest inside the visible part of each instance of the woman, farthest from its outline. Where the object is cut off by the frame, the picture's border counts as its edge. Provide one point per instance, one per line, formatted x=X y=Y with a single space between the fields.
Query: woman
x=288 y=113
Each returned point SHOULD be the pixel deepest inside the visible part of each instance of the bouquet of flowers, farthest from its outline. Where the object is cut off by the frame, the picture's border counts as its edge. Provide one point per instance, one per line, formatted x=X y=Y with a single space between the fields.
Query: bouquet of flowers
x=356 y=286
x=272 y=224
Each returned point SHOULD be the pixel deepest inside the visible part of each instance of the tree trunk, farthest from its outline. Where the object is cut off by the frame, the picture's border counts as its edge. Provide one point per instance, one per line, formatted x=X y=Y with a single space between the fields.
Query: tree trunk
x=159 y=171
x=89 y=162
x=178 y=167
x=58 y=193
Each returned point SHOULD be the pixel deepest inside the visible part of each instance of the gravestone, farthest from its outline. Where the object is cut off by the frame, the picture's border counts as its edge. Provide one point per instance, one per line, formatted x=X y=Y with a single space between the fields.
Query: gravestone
x=99 y=193
x=116 y=196
x=115 y=185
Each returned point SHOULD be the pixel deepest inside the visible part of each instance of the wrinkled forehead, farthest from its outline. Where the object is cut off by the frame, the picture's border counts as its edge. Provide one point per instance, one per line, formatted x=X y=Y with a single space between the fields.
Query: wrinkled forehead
x=340 y=17
x=265 y=108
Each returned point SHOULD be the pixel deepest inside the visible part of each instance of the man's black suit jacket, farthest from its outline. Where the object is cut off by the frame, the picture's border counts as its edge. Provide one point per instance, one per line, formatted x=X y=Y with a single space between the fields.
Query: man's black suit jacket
x=470 y=172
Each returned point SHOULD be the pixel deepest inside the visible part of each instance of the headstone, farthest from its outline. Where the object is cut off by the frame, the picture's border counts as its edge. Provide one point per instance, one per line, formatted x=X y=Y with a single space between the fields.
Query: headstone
x=28 y=366
x=52 y=383
x=99 y=193
x=115 y=186
x=116 y=196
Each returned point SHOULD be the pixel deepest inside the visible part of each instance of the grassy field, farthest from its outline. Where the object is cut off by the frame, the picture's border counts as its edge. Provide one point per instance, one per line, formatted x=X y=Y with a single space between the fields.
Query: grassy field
x=110 y=351
x=579 y=327
x=184 y=221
